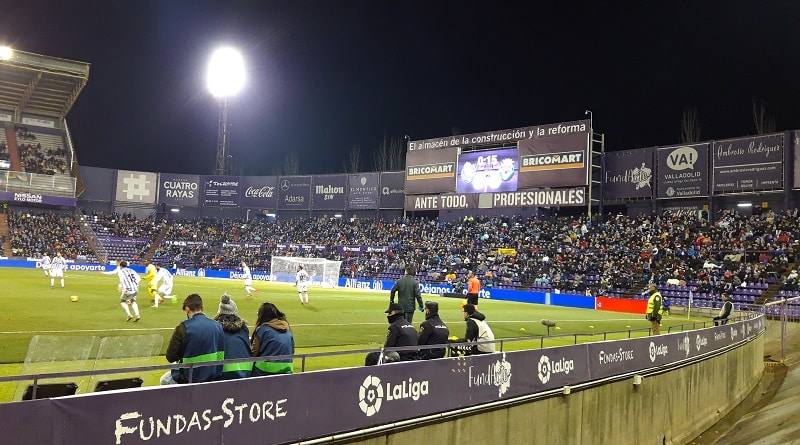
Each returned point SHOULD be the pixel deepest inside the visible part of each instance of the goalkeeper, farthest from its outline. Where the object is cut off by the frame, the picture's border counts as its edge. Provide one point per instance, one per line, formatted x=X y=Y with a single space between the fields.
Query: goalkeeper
x=407 y=290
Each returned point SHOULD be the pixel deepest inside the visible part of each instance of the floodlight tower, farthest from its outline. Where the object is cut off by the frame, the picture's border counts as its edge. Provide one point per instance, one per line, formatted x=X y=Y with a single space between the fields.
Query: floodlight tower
x=225 y=79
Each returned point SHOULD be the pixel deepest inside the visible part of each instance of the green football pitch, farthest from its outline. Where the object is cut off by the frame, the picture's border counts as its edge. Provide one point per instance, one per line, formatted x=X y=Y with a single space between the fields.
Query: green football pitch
x=336 y=320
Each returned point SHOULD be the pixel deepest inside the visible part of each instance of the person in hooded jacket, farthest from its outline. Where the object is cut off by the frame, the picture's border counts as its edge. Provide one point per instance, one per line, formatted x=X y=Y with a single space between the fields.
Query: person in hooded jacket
x=477 y=331
x=400 y=333
x=272 y=336
x=237 y=340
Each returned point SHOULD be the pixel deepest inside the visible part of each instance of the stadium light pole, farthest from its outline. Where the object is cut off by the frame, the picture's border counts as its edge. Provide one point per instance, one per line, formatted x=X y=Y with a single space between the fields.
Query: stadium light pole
x=589 y=112
x=225 y=79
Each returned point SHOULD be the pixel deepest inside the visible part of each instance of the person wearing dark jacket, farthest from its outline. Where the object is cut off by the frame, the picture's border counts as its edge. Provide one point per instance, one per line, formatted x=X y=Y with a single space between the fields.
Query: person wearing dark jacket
x=432 y=331
x=724 y=312
x=197 y=339
x=237 y=340
x=272 y=336
x=477 y=331
x=407 y=290
x=400 y=333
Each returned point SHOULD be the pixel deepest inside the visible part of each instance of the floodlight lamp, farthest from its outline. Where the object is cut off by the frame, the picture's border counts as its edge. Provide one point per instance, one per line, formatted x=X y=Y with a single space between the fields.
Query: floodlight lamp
x=745 y=204
x=225 y=72
x=6 y=52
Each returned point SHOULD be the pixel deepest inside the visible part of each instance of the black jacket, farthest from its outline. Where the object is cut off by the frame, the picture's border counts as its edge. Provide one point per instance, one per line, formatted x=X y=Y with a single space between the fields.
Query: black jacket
x=433 y=331
x=402 y=333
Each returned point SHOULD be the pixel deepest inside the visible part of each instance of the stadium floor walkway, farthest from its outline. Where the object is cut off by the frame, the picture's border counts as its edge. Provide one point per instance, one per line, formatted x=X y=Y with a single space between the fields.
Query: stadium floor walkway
x=770 y=414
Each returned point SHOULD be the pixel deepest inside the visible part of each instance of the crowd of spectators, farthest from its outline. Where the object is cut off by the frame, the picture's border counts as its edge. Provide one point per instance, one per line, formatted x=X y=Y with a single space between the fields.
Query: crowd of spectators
x=38 y=159
x=567 y=254
x=33 y=234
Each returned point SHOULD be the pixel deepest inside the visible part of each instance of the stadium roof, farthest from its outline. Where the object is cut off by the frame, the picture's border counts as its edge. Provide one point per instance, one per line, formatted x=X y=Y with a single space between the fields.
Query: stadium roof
x=40 y=85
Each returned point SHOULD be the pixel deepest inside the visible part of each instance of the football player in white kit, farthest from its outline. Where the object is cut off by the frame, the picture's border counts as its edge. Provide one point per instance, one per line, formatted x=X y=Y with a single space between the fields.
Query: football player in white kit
x=248 y=280
x=165 y=283
x=46 y=261
x=301 y=281
x=57 y=267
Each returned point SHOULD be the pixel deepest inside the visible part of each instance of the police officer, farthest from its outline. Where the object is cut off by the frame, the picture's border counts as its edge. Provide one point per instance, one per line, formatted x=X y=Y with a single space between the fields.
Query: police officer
x=432 y=331
x=400 y=333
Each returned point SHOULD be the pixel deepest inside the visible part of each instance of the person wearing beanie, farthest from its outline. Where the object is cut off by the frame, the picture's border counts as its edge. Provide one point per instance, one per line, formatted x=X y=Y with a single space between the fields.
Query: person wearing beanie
x=272 y=336
x=432 y=331
x=237 y=340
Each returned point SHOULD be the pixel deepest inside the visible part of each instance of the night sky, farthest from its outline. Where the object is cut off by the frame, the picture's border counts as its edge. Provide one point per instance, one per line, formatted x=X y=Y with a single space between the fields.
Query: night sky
x=325 y=75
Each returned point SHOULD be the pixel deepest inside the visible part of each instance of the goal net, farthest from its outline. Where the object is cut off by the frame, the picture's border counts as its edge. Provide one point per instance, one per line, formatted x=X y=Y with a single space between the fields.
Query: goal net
x=321 y=272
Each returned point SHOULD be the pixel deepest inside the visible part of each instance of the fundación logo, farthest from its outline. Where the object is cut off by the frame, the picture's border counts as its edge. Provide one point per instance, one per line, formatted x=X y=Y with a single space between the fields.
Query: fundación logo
x=496 y=374
x=371 y=393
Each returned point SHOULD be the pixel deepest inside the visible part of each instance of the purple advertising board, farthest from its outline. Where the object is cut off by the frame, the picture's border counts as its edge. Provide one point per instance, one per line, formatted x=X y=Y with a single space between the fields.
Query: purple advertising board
x=501 y=137
x=328 y=192
x=363 y=191
x=431 y=171
x=35 y=198
x=628 y=174
x=221 y=191
x=98 y=183
x=554 y=161
x=748 y=164
x=178 y=189
x=488 y=171
x=259 y=192
x=393 y=192
x=298 y=407
x=682 y=171
x=294 y=192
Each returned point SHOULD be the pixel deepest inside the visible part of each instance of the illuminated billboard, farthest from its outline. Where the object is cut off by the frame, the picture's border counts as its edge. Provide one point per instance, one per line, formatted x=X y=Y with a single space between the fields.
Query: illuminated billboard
x=488 y=171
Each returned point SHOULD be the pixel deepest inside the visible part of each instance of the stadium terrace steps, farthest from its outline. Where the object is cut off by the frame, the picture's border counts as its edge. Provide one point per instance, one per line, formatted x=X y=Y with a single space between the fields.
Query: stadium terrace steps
x=154 y=245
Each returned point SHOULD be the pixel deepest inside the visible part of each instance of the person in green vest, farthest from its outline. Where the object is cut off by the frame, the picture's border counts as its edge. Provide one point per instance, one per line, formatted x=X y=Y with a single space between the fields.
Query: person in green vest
x=271 y=337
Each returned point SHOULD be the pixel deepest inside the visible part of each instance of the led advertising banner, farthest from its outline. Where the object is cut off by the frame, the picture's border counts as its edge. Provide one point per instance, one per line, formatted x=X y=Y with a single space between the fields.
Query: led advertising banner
x=363 y=191
x=177 y=189
x=328 y=192
x=431 y=171
x=294 y=192
x=748 y=164
x=628 y=174
x=682 y=171
x=554 y=161
x=36 y=198
x=221 y=191
x=259 y=192
x=140 y=187
x=392 y=187
x=488 y=171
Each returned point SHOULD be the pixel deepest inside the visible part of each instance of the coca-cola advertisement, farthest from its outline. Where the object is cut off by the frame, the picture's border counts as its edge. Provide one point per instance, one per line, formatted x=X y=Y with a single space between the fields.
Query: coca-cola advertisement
x=259 y=192
x=363 y=193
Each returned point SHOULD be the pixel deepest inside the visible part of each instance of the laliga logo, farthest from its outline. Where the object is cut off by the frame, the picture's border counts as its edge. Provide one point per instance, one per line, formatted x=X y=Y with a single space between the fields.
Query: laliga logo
x=682 y=158
x=700 y=342
x=370 y=396
x=371 y=393
x=655 y=351
x=547 y=368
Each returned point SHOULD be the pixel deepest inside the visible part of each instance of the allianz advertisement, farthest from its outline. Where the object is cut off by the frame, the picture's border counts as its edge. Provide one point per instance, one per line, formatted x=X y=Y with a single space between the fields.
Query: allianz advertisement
x=568 y=300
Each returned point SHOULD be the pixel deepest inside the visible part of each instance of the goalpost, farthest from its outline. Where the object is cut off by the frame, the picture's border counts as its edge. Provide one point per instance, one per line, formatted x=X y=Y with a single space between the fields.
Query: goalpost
x=321 y=272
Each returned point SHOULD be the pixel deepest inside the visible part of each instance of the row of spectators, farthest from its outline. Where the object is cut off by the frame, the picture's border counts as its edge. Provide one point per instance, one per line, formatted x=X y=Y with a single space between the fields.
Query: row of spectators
x=38 y=159
x=569 y=254
x=33 y=234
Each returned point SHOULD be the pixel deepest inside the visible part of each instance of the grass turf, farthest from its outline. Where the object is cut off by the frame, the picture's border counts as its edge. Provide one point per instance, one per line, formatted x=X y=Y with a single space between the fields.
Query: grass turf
x=336 y=320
